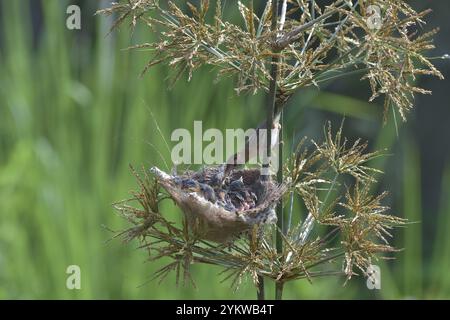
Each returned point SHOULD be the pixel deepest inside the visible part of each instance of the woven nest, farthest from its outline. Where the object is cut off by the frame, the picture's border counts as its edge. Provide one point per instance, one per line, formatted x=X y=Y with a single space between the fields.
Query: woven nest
x=220 y=208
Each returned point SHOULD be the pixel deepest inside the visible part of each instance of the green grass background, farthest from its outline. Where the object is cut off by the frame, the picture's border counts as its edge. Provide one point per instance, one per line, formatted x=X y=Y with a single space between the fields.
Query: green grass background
x=74 y=114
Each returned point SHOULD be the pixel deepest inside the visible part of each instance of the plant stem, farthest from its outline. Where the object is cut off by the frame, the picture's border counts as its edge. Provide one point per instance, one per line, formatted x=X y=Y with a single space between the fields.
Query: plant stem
x=270 y=119
x=279 y=290
x=293 y=35
x=270 y=109
x=260 y=291
x=280 y=215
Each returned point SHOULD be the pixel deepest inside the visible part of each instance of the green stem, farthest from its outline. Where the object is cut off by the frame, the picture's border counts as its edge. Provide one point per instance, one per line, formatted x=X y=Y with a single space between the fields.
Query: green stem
x=280 y=215
x=279 y=290
x=280 y=211
x=260 y=295
x=270 y=120
x=271 y=99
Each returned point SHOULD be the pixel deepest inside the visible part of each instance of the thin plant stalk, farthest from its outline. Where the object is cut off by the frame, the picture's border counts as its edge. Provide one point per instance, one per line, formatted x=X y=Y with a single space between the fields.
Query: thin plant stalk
x=271 y=101
x=260 y=294
x=280 y=215
x=270 y=119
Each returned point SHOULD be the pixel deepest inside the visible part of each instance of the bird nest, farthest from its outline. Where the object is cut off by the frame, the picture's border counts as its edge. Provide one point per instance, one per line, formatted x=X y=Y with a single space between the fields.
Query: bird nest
x=221 y=207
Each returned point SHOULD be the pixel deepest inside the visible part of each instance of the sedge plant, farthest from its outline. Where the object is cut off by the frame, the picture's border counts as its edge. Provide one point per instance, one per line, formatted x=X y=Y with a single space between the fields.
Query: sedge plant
x=279 y=48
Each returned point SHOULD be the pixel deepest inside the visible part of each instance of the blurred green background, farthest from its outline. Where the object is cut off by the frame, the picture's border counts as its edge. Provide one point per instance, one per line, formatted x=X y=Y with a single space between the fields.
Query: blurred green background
x=74 y=114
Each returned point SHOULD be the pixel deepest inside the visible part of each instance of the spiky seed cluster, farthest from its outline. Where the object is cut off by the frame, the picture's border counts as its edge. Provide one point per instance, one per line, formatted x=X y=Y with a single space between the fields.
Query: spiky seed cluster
x=359 y=232
x=357 y=214
x=344 y=159
x=316 y=44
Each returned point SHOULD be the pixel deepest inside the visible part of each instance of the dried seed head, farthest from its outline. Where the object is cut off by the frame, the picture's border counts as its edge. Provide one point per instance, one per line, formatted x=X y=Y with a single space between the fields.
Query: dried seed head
x=315 y=48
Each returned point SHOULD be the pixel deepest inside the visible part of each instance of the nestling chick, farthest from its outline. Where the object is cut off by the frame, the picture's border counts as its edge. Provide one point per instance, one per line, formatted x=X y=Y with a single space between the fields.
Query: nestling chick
x=190 y=185
x=237 y=185
x=207 y=192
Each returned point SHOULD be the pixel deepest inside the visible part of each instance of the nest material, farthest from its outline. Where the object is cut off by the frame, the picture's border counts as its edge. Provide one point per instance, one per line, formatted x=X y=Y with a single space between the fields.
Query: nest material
x=220 y=208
